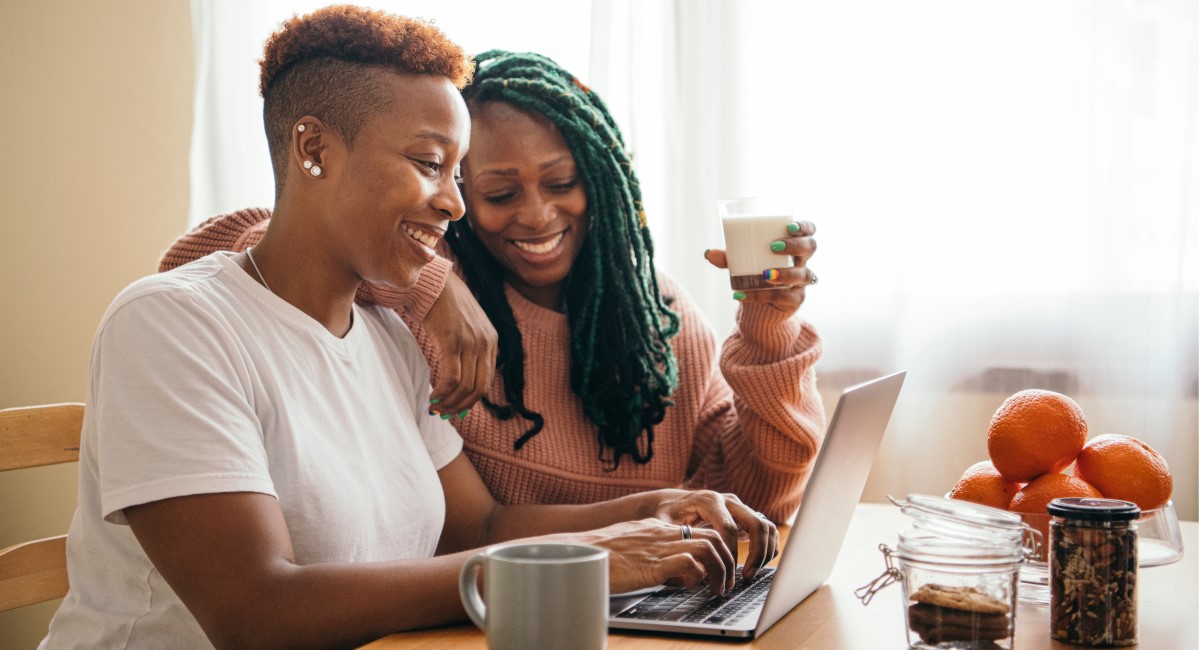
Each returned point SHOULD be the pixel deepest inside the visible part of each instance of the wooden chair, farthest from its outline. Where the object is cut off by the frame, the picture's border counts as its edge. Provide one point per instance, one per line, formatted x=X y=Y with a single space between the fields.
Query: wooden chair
x=36 y=572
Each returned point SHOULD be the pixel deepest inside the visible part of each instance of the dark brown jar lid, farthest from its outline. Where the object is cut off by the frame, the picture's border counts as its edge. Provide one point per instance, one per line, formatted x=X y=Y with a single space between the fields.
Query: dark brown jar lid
x=1090 y=509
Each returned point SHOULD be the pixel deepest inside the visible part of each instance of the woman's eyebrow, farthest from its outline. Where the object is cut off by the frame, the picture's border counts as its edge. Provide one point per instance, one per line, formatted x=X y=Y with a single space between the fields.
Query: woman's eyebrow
x=554 y=162
x=440 y=138
x=512 y=171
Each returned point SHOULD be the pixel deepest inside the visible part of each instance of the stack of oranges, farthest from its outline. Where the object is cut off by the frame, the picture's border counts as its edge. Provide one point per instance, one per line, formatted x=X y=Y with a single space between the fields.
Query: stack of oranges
x=1035 y=435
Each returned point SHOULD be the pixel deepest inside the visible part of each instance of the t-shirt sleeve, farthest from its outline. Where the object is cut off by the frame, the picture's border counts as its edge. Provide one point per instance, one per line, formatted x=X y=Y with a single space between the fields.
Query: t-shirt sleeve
x=172 y=400
x=441 y=440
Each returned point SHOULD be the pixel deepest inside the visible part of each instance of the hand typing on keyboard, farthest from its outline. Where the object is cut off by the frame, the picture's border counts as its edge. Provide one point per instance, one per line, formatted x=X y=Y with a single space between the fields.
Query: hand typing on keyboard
x=725 y=514
x=686 y=537
x=653 y=552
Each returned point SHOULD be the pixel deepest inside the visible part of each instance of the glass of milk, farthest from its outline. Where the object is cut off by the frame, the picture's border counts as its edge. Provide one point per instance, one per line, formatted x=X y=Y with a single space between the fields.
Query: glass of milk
x=750 y=225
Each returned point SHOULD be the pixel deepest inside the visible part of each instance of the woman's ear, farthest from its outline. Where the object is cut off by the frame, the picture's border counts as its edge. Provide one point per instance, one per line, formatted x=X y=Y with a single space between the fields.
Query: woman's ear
x=309 y=137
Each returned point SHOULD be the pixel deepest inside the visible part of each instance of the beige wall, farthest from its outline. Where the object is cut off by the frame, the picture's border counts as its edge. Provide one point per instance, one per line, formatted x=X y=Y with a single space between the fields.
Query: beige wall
x=96 y=118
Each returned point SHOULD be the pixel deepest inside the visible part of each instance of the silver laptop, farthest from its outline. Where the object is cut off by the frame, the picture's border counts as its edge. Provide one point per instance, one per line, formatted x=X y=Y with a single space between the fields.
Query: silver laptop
x=833 y=490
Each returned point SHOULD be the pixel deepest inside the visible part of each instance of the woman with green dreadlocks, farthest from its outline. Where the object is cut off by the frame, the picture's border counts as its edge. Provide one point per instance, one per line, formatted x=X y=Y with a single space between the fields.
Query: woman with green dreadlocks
x=609 y=380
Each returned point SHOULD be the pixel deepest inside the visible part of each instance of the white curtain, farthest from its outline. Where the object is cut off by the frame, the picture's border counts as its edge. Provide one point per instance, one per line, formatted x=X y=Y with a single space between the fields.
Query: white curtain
x=230 y=165
x=1005 y=195
x=1005 y=192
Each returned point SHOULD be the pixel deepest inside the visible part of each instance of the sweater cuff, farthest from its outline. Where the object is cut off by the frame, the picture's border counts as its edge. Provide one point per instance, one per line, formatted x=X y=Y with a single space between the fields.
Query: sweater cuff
x=773 y=332
x=417 y=300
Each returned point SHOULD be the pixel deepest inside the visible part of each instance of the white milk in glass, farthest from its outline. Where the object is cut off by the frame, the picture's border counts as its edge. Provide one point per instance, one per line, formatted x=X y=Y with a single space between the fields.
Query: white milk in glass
x=748 y=237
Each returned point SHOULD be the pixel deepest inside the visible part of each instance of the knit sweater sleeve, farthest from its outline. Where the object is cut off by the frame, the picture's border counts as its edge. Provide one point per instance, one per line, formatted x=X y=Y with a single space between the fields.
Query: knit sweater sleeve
x=240 y=230
x=235 y=231
x=412 y=303
x=763 y=420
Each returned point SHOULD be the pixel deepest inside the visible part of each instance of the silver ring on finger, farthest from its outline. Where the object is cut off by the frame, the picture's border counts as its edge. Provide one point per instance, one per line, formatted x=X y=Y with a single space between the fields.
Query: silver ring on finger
x=686 y=530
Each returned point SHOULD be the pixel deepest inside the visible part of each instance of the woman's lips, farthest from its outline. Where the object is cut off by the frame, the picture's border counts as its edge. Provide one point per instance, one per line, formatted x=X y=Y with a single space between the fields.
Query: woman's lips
x=423 y=242
x=540 y=252
x=540 y=247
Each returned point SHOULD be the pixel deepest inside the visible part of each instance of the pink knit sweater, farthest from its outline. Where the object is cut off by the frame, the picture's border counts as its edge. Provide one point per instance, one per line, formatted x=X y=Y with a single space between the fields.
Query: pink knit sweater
x=748 y=421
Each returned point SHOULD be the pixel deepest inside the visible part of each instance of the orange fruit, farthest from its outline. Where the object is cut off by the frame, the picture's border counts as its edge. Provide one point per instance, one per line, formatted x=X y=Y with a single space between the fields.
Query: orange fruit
x=982 y=484
x=1125 y=468
x=1039 y=492
x=1035 y=432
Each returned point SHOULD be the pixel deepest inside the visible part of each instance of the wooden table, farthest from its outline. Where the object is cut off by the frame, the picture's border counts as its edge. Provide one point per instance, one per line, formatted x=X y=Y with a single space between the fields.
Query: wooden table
x=834 y=618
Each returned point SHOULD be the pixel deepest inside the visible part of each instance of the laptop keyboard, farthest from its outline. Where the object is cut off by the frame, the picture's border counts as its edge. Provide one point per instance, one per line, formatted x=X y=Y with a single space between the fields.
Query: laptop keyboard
x=699 y=605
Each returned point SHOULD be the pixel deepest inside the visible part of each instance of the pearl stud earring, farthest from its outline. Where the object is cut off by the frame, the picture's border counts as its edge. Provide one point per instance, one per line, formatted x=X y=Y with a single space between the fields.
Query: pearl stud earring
x=300 y=128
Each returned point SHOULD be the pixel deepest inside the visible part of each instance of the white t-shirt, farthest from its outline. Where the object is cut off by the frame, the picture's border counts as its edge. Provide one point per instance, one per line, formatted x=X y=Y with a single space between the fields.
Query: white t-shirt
x=203 y=381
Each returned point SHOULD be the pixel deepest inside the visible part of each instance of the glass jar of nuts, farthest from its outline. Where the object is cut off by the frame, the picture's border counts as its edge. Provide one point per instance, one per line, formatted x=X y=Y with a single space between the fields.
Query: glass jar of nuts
x=1093 y=571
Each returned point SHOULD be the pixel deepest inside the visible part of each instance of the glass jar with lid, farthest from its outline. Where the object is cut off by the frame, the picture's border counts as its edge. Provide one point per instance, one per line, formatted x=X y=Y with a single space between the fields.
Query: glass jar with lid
x=959 y=564
x=1093 y=562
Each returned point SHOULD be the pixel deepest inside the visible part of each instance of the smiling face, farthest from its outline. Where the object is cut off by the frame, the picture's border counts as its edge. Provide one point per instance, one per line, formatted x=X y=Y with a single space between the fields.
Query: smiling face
x=526 y=201
x=393 y=197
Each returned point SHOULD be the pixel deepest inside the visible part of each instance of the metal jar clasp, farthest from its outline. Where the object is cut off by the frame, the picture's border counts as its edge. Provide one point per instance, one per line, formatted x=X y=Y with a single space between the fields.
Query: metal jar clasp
x=1032 y=542
x=890 y=574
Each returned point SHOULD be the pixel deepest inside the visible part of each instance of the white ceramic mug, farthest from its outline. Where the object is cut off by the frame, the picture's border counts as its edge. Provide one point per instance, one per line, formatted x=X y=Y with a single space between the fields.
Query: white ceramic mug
x=545 y=596
x=749 y=226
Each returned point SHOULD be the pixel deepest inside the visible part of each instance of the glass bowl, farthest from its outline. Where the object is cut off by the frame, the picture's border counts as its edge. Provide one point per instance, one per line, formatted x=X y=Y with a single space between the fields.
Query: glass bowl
x=1159 y=542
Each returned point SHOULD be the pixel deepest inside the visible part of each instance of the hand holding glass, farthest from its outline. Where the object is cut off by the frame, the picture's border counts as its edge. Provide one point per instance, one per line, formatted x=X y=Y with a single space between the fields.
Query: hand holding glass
x=749 y=226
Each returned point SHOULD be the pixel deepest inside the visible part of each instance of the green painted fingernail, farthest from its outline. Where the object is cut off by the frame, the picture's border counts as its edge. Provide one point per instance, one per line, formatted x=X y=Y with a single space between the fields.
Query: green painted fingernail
x=777 y=246
x=738 y=295
x=793 y=228
x=434 y=400
x=463 y=413
x=447 y=416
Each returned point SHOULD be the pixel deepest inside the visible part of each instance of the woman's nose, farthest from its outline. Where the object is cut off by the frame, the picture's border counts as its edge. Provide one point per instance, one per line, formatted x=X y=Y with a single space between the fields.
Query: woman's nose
x=536 y=212
x=449 y=200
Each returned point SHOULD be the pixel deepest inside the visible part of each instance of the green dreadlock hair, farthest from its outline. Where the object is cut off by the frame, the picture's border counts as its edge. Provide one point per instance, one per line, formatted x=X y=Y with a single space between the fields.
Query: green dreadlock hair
x=622 y=366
